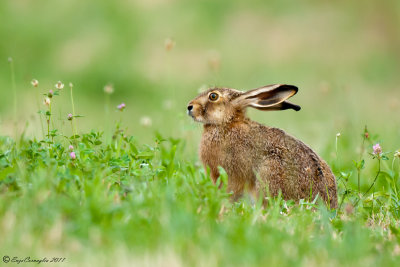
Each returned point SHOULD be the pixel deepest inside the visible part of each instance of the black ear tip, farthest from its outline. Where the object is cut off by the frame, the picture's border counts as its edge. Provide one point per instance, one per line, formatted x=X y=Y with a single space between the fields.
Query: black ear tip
x=295 y=88
x=291 y=87
x=288 y=105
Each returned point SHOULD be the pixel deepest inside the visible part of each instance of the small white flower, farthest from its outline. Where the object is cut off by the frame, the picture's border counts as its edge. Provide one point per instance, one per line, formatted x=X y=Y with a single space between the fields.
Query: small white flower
x=108 y=89
x=59 y=85
x=397 y=153
x=146 y=121
x=144 y=165
x=71 y=85
x=47 y=101
x=338 y=135
x=35 y=83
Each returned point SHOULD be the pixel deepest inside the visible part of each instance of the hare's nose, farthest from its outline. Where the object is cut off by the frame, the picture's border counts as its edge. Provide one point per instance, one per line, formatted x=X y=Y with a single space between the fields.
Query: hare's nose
x=190 y=107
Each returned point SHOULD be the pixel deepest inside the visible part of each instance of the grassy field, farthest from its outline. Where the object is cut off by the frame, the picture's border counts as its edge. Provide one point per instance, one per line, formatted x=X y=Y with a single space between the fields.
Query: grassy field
x=112 y=187
x=145 y=205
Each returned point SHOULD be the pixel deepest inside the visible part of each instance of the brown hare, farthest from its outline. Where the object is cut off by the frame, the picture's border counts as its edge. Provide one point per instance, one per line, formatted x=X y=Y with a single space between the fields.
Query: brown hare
x=256 y=157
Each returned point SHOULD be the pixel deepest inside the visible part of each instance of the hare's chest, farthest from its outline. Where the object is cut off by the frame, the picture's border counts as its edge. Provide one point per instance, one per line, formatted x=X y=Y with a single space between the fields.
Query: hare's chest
x=223 y=151
x=211 y=151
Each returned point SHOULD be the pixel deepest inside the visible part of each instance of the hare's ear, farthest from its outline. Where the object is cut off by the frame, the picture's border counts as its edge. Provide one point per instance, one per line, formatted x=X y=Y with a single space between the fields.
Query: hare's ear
x=281 y=106
x=270 y=97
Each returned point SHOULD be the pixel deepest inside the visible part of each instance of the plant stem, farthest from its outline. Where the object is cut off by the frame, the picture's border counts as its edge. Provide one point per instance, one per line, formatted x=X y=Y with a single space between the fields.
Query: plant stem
x=337 y=154
x=107 y=111
x=73 y=111
x=372 y=185
x=394 y=176
x=48 y=128
x=169 y=75
x=376 y=177
x=48 y=121
x=395 y=182
x=119 y=145
x=40 y=114
x=359 y=168
x=72 y=127
x=373 y=198
x=120 y=132
x=344 y=195
x=14 y=88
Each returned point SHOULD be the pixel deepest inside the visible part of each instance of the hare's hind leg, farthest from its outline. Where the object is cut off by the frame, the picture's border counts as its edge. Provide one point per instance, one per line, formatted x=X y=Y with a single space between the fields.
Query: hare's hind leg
x=269 y=178
x=330 y=192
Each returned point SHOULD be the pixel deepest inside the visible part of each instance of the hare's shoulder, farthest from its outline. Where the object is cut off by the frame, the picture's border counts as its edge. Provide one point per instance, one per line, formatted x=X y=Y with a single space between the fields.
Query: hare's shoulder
x=278 y=137
x=268 y=135
x=276 y=141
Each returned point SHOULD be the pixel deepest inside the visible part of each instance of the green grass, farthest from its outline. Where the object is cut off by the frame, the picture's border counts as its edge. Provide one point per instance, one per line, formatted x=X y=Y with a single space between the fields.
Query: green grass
x=131 y=197
x=147 y=204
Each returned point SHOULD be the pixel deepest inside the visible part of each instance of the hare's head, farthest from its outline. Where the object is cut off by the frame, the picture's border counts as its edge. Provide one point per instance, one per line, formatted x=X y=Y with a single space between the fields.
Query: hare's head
x=223 y=105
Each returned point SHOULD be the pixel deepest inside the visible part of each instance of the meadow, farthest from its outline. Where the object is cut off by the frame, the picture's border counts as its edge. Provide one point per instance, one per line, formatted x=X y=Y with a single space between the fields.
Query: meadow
x=102 y=168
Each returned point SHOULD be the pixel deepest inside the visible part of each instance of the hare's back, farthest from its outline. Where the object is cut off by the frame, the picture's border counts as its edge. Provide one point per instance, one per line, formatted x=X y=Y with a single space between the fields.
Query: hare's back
x=299 y=168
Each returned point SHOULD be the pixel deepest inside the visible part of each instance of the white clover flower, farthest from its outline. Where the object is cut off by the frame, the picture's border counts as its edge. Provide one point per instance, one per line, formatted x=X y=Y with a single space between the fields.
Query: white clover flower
x=46 y=101
x=108 y=89
x=146 y=121
x=35 y=83
x=59 y=85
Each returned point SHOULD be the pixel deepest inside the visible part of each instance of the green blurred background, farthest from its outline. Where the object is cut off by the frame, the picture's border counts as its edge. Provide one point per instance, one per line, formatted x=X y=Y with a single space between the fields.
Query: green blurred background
x=343 y=55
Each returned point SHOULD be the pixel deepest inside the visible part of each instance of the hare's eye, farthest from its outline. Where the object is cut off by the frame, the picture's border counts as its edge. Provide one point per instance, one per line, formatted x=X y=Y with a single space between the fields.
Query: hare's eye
x=213 y=96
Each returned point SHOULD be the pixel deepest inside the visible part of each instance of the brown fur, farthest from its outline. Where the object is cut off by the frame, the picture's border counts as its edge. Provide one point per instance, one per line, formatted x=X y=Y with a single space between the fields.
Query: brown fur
x=257 y=157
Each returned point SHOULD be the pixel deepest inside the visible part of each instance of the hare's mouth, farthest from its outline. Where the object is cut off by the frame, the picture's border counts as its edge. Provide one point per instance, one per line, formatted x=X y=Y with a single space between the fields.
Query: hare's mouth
x=197 y=118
